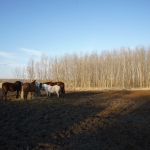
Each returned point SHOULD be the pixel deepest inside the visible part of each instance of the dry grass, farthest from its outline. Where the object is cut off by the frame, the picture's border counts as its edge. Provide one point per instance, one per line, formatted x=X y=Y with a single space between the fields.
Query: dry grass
x=83 y=120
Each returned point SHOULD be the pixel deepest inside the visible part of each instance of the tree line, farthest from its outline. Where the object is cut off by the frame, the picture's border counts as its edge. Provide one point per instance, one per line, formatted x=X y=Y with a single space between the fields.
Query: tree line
x=124 y=68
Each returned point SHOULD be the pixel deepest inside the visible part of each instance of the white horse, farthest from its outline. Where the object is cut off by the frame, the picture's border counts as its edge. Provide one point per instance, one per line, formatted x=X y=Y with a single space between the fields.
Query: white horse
x=51 y=89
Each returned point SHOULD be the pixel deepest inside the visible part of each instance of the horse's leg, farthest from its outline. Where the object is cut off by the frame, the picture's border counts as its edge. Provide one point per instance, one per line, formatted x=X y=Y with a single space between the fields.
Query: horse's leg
x=25 y=93
x=58 y=94
x=2 y=94
x=5 y=95
x=63 y=94
x=26 y=96
x=34 y=95
x=17 y=94
x=50 y=94
x=47 y=93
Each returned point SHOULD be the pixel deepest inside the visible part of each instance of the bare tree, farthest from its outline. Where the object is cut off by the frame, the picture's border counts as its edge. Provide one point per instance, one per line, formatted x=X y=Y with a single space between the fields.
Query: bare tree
x=44 y=67
x=38 y=71
x=17 y=72
x=31 y=69
x=23 y=73
x=122 y=68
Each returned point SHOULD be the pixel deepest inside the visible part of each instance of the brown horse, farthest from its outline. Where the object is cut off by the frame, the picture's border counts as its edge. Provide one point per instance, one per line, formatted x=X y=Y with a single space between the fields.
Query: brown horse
x=6 y=86
x=61 y=84
x=28 y=87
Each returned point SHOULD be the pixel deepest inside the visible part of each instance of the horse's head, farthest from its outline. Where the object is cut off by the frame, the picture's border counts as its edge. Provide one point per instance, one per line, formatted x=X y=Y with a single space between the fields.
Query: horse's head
x=40 y=85
x=18 y=82
x=33 y=81
x=44 y=85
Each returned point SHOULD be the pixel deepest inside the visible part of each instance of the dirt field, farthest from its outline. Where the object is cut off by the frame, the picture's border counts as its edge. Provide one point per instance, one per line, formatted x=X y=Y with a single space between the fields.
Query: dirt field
x=103 y=120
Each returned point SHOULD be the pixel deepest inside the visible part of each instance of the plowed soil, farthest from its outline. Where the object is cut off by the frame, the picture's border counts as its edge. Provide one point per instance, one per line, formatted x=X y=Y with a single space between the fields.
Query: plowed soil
x=103 y=120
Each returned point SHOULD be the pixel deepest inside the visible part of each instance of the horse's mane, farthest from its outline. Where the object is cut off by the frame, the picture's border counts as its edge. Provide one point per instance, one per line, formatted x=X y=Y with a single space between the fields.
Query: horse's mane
x=33 y=81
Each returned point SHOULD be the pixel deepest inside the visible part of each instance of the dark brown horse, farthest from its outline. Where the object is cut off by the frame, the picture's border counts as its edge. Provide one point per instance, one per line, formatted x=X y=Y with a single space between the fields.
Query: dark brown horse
x=6 y=86
x=28 y=87
x=61 y=84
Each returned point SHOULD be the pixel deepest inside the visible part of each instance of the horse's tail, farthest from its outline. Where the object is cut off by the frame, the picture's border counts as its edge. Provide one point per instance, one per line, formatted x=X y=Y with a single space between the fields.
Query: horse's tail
x=25 y=93
x=63 y=94
x=64 y=89
x=2 y=91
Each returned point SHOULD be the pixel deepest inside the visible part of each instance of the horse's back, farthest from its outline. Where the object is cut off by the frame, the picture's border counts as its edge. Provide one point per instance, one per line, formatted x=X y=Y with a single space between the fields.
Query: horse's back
x=61 y=84
x=49 y=83
x=26 y=86
x=5 y=86
x=29 y=86
x=57 y=88
x=18 y=85
x=33 y=86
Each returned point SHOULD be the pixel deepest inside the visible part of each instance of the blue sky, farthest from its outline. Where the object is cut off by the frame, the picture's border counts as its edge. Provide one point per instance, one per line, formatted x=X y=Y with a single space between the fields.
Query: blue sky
x=55 y=27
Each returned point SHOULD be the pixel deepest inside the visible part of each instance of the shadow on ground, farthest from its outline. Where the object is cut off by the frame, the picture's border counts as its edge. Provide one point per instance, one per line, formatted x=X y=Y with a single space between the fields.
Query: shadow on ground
x=82 y=120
